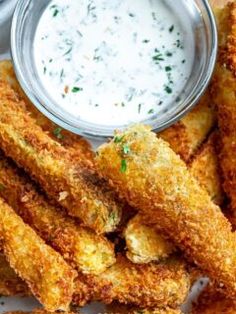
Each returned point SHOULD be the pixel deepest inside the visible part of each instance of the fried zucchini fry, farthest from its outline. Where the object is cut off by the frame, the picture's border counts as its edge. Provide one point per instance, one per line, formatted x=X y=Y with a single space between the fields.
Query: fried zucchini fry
x=150 y=285
x=10 y=283
x=48 y=276
x=152 y=178
x=73 y=185
x=224 y=94
x=86 y=251
x=80 y=149
x=186 y=136
x=144 y=243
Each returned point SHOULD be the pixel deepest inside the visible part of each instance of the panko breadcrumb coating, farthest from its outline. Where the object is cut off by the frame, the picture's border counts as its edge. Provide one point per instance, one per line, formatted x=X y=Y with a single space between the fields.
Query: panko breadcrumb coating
x=205 y=168
x=144 y=242
x=150 y=285
x=186 y=136
x=80 y=149
x=48 y=276
x=73 y=185
x=117 y=308
x=224 y=95
x=38 y=311
x=81 y=247
x=152 y=178
x=10 y=283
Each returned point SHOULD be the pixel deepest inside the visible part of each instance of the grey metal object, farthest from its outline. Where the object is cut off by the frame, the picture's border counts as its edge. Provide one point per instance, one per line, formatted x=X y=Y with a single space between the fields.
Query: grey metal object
x=6 y=10
x=198 y=23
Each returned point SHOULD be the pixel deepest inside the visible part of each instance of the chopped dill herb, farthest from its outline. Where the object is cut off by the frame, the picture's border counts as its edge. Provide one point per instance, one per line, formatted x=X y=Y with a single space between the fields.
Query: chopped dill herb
x=57 y=133
x=183 y=61
x=62 y=73
x=126 y=149
x=2 y=187
x=154 y=16
x=112 y=216
x=178 y=44
x=168 y=89
x=151 y=111
x=168 y=68
x=68 y=51
x=158 y=57
x=90 y=8
x=55 y=13
x=169 y=54
x=171 y=28
x=139 y=108
x=122 y=104
x=118 y=139
x=76 y=89
x=145 y=41
x=44 y=70
x=50 y=61
x=178 y=99
x=123 y=166
x=131 y=15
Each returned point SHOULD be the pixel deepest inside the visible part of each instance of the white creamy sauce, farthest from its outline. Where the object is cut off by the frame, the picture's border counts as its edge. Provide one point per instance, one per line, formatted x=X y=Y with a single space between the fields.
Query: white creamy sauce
x=111 y=62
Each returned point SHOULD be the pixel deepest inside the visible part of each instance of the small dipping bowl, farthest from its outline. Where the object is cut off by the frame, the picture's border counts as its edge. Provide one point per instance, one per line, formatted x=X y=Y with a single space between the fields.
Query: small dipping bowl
x=198 y=25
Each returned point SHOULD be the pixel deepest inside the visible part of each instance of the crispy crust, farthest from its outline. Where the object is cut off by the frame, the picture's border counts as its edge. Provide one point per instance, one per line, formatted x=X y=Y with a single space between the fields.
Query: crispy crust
x=149 y=285
x=226 y=19
x=74 y=186
x=117 y=308
x=48 y=276
x=144 y=243
x=205 y=168
x=10 y=283
x=37 y=311
x=158 y=183
x=186 y=136
x=81 y=247
x=224 y=93
x=80 y=149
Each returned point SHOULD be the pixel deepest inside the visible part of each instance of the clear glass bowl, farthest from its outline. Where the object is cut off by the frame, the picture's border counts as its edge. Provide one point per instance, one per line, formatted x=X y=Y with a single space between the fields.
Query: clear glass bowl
x=199 y=25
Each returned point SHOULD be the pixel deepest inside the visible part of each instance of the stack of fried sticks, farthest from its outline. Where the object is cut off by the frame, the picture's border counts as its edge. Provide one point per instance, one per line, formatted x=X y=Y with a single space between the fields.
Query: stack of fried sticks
x=65 y=213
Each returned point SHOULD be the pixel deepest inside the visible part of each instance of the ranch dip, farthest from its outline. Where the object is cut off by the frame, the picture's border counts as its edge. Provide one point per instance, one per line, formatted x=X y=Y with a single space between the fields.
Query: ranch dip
x=112 y=62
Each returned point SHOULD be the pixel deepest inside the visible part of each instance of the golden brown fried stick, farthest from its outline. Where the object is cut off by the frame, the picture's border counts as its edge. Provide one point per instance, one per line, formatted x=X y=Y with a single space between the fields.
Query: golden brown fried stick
x=81 y=247
x=74 y=186
x=10 y=283
x=153 y=284
x=80 y=149
x=48 y=276
x=224 y=95
x=152 y=178
x=149 y=285
x=145 y=243
x=186 y=136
